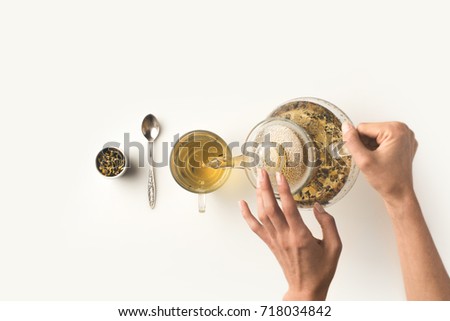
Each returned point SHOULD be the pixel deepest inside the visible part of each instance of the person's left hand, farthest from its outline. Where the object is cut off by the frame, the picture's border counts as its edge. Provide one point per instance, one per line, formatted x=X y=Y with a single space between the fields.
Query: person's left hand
x=308 y=263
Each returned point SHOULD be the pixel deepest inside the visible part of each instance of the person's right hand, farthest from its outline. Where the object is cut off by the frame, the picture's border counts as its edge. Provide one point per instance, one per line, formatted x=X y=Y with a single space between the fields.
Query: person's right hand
x=384 y=152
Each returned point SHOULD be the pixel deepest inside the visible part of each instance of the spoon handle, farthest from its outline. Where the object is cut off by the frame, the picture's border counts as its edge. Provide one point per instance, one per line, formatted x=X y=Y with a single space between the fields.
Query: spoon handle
x=151 y=178
x=151 y=187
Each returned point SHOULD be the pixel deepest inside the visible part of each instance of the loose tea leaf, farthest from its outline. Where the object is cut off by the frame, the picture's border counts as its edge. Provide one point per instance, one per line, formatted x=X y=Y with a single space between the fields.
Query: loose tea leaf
x=324 y=128
x=110 y=162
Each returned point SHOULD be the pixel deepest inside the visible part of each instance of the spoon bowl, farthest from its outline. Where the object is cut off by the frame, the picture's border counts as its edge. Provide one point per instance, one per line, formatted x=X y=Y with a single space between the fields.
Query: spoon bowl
x=150 y=127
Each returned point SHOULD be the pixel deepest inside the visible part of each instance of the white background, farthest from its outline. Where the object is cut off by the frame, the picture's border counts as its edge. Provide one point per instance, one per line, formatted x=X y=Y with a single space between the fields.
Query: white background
x=77 y=74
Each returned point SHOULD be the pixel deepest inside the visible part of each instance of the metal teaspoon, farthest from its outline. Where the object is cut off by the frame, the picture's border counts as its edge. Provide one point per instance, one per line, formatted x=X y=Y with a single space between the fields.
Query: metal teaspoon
x=150 y=129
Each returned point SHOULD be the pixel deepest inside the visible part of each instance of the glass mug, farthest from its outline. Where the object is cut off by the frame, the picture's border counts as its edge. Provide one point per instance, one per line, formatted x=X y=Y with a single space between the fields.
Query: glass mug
x=189 y=161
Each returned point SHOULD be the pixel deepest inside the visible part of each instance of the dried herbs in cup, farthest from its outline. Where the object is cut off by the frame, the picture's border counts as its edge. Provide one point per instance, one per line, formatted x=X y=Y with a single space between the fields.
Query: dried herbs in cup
x=111 y=162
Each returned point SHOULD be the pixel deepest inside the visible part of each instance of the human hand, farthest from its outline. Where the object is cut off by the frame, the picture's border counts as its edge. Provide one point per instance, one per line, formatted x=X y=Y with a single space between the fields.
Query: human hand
x=384 y=152
x=308 y=263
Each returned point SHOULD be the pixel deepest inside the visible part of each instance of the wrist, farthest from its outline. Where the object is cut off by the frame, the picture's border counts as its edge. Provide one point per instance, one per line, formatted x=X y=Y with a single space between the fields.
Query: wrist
x=402 y=207
x=398 y=200
x=292 y=295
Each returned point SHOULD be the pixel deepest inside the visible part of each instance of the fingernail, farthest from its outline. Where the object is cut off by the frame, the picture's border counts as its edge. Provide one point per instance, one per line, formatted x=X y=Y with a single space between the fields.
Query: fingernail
x=319 y=208
x=258 y=178
x=346 y=126
x=240 y=205
x=278 y=177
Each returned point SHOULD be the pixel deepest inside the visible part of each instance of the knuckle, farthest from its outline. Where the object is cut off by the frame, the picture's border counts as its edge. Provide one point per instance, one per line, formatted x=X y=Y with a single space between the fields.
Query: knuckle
x=399 y=128
x=284 y=243
x=265 y=186
x=329 y=219
x=263 y=218
x=300 y=237
x=271 y=209
x=288 y=241
x=364 y=163
x=361 y=126
x=255 y=227
x=335 y=246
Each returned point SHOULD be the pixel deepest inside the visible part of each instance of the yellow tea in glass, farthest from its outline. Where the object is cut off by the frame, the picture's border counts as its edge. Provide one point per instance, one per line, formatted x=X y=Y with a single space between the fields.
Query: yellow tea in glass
x=189 y=159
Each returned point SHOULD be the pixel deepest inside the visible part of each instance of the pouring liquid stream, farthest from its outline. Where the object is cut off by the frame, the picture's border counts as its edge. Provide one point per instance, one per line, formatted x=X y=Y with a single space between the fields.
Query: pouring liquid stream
x=270 y=158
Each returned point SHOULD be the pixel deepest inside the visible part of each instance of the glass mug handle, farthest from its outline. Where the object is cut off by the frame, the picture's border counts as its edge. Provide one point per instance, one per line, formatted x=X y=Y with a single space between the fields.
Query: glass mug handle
x=201 y=202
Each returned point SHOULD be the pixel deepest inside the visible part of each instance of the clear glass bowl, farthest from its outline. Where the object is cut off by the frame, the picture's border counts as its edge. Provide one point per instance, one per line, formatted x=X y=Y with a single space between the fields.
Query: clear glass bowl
x=322 y=120
x=278 y=144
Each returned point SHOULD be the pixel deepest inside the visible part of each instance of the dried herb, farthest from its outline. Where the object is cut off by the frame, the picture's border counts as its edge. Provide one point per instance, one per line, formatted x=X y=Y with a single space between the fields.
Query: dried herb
x=324 y=128
x=110 y=162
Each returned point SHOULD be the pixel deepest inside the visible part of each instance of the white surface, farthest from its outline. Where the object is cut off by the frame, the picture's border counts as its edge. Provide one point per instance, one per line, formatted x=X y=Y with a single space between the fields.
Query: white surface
x=74 y=75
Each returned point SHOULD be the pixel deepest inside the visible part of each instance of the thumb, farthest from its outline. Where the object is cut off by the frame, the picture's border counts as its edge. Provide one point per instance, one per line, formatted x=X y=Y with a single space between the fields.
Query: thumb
x=354 y=144
x=330 y=233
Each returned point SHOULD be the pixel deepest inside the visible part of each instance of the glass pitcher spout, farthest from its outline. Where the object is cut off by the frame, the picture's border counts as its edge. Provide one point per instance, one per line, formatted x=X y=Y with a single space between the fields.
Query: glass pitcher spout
x=222 y=162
